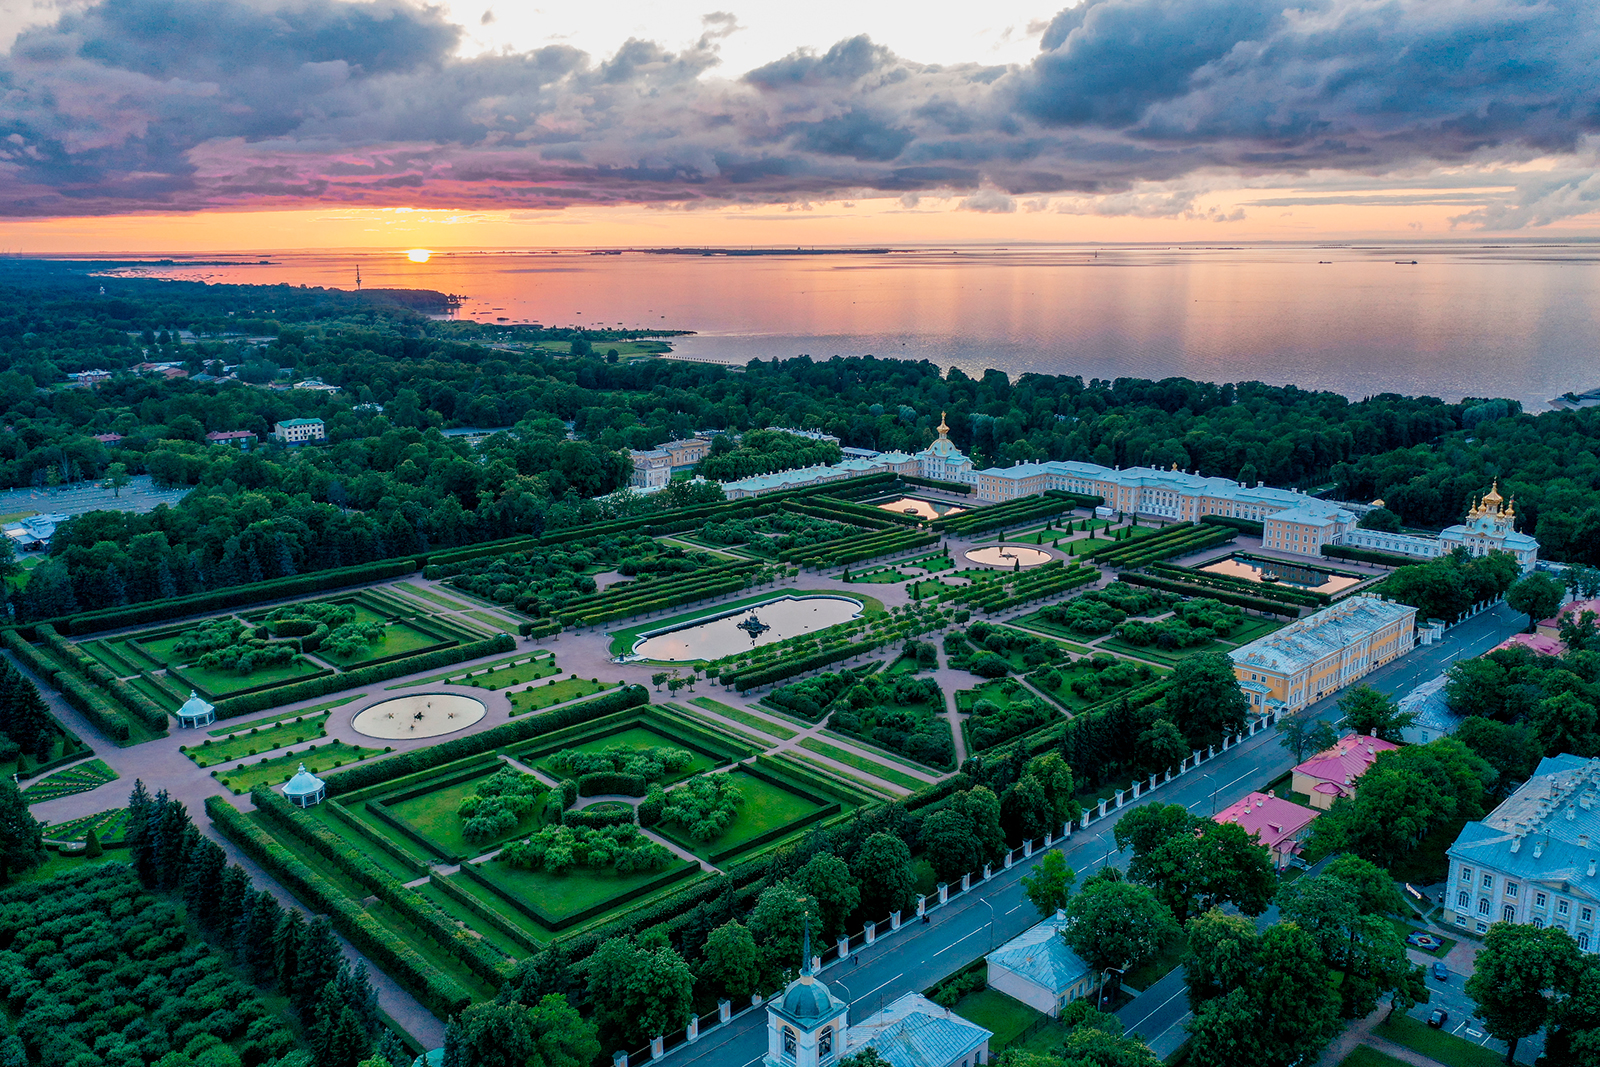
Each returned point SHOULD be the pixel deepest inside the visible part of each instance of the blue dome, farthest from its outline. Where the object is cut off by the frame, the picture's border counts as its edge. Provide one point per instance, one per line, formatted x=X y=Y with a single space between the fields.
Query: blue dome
x=807 y=1000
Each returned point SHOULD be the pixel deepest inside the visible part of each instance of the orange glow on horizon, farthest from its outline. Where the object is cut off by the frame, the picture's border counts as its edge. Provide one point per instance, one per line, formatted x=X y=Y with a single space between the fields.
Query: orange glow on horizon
x=869 y=222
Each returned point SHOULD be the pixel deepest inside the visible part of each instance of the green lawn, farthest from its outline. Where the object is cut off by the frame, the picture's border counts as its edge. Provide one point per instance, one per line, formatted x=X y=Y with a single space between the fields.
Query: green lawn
x=1005 y=1017
x=1418 y=1036
x=427 y=594
x=221 y=683
x=1081 y=669
x=1036 y=621
x=560 y=895
x=1170 y=658
x=538 y=697
x=765 y=806
x=247 y=741
x=739 y=715
x=323 y=814
x=108 y=826
x=267 y=720
x=276 y=771
x=862 y=763
x=76 y=779
x=399 y=638
x=459 y=673
x=513 y=674
x=434 y=816
x=635 y=737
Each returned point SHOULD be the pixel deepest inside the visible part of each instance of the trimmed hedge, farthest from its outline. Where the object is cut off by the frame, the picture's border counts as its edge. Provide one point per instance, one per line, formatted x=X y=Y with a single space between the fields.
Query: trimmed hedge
x=89 y=701
x=438 y=992
x=789 y=667
x=1238 y=600
x=539 y=629
x=522 y=729
x=933 y=483
x=277 y=696
x=598 y=820
x=1254 y=529
x=477 y=955
x=234 y=596
x=609 y=783
x=1368 y=555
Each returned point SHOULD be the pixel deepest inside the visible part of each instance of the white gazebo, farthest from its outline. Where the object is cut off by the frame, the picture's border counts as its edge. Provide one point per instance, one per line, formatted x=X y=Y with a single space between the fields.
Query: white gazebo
x=305 y=789
x=196 y=712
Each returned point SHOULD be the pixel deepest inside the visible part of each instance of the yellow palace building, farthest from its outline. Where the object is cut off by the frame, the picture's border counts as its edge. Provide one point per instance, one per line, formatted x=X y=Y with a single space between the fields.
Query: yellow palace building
x=1322 y=653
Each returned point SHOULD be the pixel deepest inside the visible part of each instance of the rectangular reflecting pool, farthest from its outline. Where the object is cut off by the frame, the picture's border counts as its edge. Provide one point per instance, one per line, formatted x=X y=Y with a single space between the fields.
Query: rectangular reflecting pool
x=1299 y=575
x=922 y=509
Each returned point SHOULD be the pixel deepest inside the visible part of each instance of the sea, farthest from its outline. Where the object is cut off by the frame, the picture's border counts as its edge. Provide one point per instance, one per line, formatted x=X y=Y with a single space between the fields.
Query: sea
x=1447 y=319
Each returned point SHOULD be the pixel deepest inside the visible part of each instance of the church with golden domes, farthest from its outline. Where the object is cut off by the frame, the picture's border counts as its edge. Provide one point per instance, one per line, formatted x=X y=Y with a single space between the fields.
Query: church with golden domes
x=943 y=461
x=1491 y=527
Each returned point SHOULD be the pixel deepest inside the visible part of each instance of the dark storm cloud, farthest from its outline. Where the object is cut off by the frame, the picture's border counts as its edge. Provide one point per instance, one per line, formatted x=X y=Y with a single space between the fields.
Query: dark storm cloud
x=139 y=105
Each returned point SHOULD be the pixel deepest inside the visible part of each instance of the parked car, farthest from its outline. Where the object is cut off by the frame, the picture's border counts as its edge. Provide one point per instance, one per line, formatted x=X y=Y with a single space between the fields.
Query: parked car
x=1437 y=1018
x=1440 y=971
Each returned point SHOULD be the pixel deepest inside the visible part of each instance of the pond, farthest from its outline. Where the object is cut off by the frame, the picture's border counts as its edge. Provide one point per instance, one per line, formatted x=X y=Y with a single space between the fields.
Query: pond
x=420 y=715
x=1008 y=556
x=922 y=509
x=782 y=618
x=1256 y=569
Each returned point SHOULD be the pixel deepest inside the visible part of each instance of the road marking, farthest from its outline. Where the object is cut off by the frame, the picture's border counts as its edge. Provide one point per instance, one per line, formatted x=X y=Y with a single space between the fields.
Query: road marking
x=875 y=988
x=1017 y=908
x=953 y=944
x=1158 y=1007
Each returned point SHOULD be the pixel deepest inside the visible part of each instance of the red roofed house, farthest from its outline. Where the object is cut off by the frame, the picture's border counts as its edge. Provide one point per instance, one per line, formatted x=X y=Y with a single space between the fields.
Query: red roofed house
x=1277 y=823
x=1541 y=643
x=237 y=438
x=110 y=440
x=1552 y=627
x=1329 y=775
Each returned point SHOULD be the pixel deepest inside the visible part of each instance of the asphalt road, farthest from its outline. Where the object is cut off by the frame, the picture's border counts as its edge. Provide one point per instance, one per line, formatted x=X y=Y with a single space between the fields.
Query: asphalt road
x=972 y=923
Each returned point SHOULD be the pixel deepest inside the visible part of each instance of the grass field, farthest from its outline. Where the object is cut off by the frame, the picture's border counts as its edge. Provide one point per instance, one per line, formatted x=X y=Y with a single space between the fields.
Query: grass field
x=221 y=683
x=765 y=806
x=513 y=674
x=1170 y=658
x=994 y=1011
x=428 y=594
x=434 y=816
x=434 y=679
x=560 y=895
x=398 y=639
x=267 y=720
x=249 y=741
x=109 y=826
x=276 y=771
x=1418 y=1036
x=862 y=763
x=544 y=696
x=739 y=715
x=76 y=779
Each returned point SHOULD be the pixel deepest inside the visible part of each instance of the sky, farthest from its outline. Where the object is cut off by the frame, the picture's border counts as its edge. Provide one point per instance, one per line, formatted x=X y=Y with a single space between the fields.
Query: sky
x=196 y=125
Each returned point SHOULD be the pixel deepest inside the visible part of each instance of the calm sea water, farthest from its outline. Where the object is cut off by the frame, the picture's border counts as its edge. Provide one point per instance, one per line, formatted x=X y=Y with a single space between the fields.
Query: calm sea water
x=1517 y=321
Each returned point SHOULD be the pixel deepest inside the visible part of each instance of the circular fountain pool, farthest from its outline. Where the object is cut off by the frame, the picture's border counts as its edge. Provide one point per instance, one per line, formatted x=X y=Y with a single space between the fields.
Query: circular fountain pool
x=420 y=715
x=762 y=624
x=1007 y=556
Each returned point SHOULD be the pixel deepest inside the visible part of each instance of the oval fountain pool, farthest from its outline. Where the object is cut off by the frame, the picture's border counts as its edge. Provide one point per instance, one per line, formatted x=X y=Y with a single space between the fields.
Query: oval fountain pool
x=784 y=617
x=1007 y=556
x=420 y=715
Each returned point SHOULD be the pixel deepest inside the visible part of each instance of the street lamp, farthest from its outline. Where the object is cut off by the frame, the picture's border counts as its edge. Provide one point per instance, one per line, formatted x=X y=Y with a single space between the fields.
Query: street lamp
x=1101 y=1002
x=1101 y=834
x=992 y=920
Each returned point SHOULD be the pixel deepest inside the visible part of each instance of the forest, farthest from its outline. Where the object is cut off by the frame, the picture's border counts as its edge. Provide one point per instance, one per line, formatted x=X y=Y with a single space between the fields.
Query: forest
x=388 y=483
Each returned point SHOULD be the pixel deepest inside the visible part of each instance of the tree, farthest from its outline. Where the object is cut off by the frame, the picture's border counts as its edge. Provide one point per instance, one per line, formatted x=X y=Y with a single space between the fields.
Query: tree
x=1048 y=886
x=1368 y=712
x=884 y=871
x=1162 y=745
x=21 y=836
x=1511 y=749
x=1538 y=596
x=639 y=993
x=1304 y=736
x=509 y=1034
x=826 y=879
x=1354 y=939
x=116 y=478
x=1205 y=701
x=1054 y=776
x=1284 y=1012
x=1212 y=864
x=777 y=922
x=730 y=961
x=1222 y=955
x=867 y=1057
x=1381 y=519
x=1117 y=924
x=1518 y=970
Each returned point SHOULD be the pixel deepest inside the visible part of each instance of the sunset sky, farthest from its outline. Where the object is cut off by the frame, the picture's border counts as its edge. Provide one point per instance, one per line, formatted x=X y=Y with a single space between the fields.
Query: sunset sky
x=192 y=125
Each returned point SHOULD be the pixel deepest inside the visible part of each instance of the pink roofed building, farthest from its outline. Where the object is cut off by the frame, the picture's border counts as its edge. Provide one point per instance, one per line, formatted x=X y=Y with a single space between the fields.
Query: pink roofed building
x=1332 y=774
x=1541 y=643
x=1277 y=823
x=1552 y=627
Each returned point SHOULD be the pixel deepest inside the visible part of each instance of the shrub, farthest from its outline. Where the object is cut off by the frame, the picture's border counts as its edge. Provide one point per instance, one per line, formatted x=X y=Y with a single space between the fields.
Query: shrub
x=704 y=806
x=559 y=849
